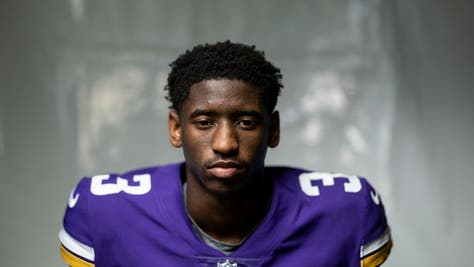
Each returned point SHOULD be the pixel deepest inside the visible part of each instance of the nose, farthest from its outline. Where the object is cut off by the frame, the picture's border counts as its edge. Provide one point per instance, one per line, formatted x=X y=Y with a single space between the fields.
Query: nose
x=225 y=141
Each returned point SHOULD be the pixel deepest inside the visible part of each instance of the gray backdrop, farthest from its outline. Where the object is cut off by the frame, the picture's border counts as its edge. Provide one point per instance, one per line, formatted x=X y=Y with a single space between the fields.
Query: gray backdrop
x=372 y=87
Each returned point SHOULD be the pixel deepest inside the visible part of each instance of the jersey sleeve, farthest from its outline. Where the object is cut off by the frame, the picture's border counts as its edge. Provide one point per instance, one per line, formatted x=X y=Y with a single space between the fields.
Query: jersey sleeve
x=76 y=244
x=376 y=238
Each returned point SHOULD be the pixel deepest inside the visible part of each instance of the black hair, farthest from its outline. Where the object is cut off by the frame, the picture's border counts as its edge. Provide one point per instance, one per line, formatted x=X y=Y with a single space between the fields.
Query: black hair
x=223 y=60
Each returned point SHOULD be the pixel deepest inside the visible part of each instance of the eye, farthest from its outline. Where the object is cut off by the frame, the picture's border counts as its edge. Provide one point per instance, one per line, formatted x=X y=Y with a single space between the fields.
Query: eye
x=203 y=124
x=247 y=124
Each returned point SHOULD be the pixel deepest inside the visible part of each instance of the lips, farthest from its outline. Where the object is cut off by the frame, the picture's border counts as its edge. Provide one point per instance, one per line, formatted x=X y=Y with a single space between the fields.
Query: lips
x=225 y=169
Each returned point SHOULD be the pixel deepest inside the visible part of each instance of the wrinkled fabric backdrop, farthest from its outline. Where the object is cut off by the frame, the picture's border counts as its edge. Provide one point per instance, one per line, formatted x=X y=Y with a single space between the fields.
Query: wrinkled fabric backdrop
x=376 y=88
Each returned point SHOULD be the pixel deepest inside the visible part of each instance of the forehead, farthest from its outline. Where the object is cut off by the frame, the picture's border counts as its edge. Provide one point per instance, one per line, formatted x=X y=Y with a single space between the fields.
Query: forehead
x=224 y=94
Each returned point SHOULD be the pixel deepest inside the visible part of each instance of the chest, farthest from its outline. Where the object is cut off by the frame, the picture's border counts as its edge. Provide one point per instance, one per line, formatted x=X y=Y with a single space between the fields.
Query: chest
x=143 y=238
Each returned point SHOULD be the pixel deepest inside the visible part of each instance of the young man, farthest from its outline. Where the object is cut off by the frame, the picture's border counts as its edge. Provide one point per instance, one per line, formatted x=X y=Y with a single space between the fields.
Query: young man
x=222 y=207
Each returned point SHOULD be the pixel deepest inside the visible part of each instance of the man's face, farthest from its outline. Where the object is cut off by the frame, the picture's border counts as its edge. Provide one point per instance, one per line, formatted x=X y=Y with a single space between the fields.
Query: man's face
x=224 y=130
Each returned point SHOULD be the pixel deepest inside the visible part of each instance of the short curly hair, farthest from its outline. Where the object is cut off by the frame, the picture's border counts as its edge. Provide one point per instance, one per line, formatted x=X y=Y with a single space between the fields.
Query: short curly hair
x=223 y=60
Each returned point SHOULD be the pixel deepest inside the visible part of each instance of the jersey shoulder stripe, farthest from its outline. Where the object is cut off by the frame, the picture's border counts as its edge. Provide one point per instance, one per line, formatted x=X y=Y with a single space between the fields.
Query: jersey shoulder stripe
x=72 y=260
x=376 y=252
x=75 y=253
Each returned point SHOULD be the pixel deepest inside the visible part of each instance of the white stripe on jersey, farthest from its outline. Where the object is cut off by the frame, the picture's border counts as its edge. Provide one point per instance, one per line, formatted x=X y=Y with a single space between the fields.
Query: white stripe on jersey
x=76 y=246
x=375 y=245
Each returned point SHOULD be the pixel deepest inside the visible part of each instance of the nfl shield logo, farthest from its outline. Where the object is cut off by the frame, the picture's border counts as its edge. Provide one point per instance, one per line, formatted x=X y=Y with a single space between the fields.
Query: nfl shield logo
x=227 y=263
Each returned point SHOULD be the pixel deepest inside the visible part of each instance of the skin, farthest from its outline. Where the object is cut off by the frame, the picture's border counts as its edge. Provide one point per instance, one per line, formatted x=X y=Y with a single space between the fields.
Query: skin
x=224 y=130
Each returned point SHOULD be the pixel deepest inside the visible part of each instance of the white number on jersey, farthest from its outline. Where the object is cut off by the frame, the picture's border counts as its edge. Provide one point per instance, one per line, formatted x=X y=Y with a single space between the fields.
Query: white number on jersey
x=353 y=184
x=99 y=188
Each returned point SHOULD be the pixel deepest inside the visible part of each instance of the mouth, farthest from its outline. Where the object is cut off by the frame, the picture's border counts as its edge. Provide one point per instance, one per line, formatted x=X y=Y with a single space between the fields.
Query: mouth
x=225 y=169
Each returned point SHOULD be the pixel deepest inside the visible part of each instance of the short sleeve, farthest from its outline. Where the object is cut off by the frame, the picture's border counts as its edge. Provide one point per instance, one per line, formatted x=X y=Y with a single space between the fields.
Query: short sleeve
x=75 y=237
x=376 y=238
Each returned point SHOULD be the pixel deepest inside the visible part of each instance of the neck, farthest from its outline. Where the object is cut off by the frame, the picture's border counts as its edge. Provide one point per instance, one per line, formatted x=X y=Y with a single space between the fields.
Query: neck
x=229 y=218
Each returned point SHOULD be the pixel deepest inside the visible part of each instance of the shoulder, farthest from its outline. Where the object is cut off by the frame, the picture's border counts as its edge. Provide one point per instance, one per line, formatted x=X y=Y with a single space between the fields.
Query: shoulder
x=105 y=198
x=98 y=204
x=342 y=199
x=108 y=192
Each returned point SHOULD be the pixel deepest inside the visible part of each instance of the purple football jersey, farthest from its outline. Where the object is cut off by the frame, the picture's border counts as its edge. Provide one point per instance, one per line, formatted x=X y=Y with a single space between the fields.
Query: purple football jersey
x=138 y=219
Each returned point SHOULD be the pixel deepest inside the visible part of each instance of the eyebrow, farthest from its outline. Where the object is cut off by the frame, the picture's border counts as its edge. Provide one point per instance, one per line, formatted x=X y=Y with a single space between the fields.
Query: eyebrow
x=202 y=112
x=250 y=113
x=239 y=113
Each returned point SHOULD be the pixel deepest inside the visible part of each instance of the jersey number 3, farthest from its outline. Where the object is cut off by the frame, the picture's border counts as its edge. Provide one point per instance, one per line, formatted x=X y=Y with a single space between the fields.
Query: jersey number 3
x=353 y=184
x=99 y=188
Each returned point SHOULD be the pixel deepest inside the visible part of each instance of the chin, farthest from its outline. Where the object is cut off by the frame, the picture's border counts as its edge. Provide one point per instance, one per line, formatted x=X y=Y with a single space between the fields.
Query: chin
x=225 y=187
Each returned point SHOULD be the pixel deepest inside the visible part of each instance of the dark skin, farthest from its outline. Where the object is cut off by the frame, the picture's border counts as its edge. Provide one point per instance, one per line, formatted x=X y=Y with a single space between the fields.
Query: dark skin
x=225 y=130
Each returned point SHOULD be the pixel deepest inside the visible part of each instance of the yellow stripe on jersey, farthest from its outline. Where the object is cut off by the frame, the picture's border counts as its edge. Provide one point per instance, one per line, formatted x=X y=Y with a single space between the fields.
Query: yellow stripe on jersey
x=72 y=260
x=378 y=257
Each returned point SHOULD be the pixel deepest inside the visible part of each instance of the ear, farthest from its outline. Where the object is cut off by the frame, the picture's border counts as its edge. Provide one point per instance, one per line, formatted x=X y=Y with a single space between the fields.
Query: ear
x=174 y=128
x=274 y=134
